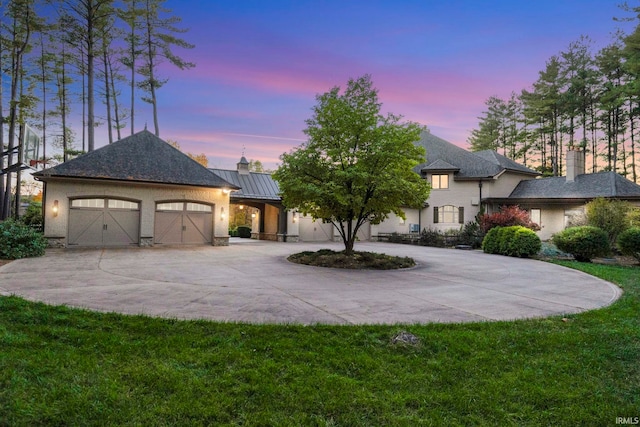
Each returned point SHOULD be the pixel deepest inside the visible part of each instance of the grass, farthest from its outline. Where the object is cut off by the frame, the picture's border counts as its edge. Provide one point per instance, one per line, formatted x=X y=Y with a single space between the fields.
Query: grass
x=359 y=260
x=61 y=366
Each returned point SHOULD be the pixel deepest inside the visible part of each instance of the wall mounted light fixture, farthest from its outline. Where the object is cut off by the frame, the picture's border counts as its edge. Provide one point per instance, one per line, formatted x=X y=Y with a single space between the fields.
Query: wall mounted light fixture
x=221 y=214
x=54 y=209
x=295 y=217
x=226 y=191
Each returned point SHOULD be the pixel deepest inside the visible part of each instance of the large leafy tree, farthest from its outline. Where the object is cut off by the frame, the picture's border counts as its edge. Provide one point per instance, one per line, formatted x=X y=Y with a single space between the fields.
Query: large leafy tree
x=357 y=164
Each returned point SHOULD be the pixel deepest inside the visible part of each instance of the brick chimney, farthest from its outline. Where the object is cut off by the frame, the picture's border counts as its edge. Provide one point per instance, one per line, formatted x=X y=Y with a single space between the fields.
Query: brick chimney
x=243 y=166
x=575 y=164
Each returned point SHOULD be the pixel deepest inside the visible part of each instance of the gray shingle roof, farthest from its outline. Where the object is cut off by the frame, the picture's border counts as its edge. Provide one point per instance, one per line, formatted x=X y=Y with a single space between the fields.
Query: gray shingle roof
x=586 y=186
x=259 y=186
x=142 y=157
x=469 y=165
x=504 y=162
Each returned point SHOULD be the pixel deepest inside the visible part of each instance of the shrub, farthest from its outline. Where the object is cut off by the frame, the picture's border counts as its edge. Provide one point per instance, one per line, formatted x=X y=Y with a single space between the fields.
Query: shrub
x=516 y=241
x=634 y=217
x=609 y=215
x=244 y=231
x=507 y=217
x=18 y=240
x=629 y=242
x=525 y=243
x=504 y=240
x=471 y=235
x=584 y=243
x=33 y=216
x=491 y=243
x=430 y=237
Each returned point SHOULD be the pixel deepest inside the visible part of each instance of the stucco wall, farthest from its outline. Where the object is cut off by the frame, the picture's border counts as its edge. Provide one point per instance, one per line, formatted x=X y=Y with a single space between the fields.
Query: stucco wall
x=503 y=185
x=464 y=194
x=394 y=223
x=147 y=195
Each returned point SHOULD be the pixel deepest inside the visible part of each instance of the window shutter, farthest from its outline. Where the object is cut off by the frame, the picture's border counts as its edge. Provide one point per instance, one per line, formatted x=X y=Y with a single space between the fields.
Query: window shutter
x=461 y=215
x=435 y=214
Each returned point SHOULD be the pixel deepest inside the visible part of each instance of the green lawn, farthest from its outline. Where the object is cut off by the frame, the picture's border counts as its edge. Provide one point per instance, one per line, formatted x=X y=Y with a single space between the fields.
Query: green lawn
x=61 y=366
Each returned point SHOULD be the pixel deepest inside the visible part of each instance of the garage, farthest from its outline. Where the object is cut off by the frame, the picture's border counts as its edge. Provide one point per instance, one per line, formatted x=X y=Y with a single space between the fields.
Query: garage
x=124 y=193
x=183 y=223
x=311 y=230
x=104 y=222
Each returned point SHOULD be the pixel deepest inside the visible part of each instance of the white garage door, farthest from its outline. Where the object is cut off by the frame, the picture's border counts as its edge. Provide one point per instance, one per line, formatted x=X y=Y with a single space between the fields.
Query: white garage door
x=314 y=231
x=183 y=223
x=99 y=222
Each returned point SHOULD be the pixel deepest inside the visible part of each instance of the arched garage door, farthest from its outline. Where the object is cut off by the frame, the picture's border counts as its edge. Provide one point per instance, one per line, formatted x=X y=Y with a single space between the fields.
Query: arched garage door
x=99 y=222
x=183 y=223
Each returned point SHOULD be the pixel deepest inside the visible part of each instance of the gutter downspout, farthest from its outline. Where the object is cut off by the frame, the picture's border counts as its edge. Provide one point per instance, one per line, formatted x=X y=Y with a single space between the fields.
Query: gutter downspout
x=480 y=191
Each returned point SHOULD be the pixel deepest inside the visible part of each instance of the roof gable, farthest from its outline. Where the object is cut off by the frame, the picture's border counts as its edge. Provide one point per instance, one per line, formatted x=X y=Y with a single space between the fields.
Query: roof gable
x=142 y=157
x=468 y=164
x=504 y=162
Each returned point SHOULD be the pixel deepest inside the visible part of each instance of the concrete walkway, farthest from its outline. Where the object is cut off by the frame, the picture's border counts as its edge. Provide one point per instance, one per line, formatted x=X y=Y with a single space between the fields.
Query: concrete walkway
x=251 y=281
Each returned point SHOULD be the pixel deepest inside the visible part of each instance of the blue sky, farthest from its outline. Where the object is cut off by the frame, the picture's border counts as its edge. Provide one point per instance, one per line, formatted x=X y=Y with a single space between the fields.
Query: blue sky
x=260 y=64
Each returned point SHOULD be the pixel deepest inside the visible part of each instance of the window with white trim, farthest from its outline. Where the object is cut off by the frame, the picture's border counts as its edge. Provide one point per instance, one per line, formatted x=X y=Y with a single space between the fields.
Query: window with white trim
x=440 y=182
x=175 y=206
x=448 y=214
x=123 y=204
x=198 y=207
x=87 y=203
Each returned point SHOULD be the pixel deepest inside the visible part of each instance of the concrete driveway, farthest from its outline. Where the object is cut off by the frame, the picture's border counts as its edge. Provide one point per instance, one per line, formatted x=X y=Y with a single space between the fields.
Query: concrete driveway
x=251 y=281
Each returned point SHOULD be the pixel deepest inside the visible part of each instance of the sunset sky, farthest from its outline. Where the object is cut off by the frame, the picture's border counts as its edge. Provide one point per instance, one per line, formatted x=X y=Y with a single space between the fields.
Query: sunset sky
x=260 y=64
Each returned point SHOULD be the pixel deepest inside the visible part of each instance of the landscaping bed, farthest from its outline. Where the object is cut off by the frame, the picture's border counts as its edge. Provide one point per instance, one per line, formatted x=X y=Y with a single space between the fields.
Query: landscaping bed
x=359 y=260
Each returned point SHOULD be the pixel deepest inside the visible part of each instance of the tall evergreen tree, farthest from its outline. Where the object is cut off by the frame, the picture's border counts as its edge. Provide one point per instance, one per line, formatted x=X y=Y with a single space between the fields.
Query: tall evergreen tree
x=159 y=39
x=91 y=17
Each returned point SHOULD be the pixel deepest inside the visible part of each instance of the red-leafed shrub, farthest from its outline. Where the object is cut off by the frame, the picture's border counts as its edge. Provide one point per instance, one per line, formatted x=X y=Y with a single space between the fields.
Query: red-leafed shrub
x=507 y=217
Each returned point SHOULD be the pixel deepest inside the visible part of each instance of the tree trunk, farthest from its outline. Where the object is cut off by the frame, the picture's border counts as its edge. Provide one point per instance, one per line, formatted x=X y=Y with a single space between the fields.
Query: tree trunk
x=90 y=86
x=107 y=93
x=115 y=102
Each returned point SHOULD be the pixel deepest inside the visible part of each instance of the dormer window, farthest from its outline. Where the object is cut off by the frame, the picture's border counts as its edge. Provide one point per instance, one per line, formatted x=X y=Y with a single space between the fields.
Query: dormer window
x=440 y=182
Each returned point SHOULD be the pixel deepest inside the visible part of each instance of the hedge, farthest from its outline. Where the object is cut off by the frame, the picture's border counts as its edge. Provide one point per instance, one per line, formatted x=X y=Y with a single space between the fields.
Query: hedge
x=629 y=242
x=516 y=241
x=584 y=243
x=18 y=240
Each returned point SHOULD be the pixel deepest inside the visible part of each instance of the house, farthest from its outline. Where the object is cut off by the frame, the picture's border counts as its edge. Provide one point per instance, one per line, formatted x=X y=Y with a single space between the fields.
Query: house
x=553 y=202
x=464 y=183
x=461 y=181
x=141 y=191
x=138 y=191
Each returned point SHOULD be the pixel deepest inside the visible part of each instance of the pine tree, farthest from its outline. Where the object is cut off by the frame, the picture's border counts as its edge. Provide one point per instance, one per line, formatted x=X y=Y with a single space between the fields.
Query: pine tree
x=158 y=41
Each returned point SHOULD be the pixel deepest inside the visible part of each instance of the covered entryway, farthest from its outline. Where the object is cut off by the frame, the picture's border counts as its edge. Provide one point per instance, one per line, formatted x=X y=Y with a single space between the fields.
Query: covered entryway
x=98 y=222
x=183 y=223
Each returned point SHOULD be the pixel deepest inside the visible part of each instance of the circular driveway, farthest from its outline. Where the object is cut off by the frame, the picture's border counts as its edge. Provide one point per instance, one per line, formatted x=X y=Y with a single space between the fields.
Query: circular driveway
x=251 y=281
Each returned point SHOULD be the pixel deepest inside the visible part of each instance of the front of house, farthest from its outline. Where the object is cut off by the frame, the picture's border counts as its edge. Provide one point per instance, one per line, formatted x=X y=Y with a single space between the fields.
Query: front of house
x=141 y=191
